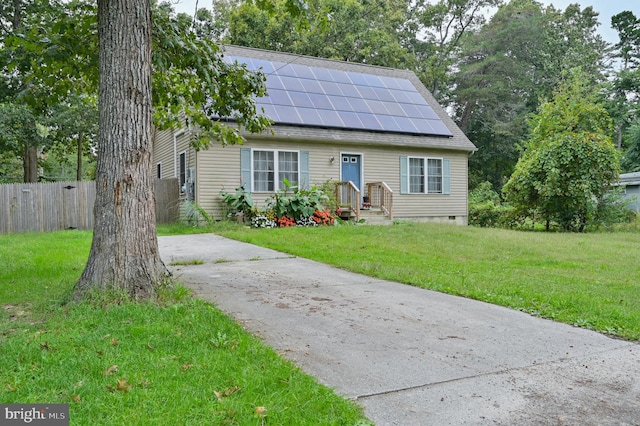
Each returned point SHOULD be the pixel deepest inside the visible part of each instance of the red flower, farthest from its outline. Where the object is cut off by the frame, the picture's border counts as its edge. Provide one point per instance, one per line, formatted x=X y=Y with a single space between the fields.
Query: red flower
x=286 y=221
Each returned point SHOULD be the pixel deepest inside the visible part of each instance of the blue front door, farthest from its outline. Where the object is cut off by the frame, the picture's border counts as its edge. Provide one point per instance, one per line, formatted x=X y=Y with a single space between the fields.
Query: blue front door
x=351 y=169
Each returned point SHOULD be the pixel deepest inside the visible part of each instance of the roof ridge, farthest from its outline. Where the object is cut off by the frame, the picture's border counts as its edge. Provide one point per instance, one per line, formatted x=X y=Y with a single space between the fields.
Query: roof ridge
x=339 y=63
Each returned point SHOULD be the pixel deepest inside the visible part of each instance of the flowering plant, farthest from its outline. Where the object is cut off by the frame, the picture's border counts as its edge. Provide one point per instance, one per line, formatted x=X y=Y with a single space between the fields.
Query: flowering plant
x=306 y=221
x=323 y=217
x=262 y=221
x=286 y=221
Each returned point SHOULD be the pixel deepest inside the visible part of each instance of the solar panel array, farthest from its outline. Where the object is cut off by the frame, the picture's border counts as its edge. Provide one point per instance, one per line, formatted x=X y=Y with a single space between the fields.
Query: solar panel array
x=325 y=97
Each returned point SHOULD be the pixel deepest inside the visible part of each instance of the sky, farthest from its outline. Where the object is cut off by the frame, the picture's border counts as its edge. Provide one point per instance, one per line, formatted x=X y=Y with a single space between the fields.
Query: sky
x=606 y=8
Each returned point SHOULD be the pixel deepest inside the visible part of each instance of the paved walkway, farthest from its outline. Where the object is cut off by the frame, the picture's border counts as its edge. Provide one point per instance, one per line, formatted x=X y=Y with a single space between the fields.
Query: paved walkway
x=412 y=356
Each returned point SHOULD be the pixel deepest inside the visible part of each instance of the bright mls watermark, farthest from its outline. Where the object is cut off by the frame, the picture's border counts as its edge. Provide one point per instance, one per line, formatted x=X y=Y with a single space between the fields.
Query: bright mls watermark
x=34 y=414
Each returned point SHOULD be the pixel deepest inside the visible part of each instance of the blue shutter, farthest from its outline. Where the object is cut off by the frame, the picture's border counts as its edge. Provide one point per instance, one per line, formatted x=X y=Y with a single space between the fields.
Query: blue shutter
x=446 y=176
x=304 y=170
x=404 y=175
x=245 y=168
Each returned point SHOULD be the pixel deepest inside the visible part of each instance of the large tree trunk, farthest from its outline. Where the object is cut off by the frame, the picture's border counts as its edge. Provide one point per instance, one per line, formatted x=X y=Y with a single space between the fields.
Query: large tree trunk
x=124 y=252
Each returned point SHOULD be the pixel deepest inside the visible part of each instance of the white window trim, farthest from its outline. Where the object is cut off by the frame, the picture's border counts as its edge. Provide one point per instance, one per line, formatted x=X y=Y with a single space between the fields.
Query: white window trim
x=175 y=151
x=426 y=175
x=186 y=167
x=276 y=184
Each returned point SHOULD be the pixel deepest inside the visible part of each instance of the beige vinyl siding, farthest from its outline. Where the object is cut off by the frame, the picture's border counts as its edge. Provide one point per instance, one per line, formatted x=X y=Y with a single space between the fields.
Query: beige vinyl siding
x=220 y=168
x=383 y=164
x=163 y=152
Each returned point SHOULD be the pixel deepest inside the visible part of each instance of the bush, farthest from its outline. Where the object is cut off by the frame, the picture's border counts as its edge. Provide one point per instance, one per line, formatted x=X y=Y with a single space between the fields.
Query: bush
x=486 y=210
x=612 y=209
x=238 y=202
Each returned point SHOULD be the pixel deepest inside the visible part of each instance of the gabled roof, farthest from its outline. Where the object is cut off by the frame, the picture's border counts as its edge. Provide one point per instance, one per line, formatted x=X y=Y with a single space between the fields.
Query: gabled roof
x=323 y=99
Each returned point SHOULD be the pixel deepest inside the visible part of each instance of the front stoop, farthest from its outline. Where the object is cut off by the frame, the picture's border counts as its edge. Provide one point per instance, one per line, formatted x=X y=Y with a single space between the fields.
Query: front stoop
x=375 y=217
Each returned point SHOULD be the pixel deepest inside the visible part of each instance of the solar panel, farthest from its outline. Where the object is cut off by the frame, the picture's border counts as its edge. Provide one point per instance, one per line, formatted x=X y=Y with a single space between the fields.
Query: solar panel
x=314 y=96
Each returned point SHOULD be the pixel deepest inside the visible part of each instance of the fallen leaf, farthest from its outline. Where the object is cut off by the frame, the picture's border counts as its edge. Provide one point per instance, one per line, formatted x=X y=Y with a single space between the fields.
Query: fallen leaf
x=11 y=388
x=226 y=392
x=123 y=385
x=114 y=342
x=186 y=366
x=111 y=370
x=76 y=398
x=261 y=411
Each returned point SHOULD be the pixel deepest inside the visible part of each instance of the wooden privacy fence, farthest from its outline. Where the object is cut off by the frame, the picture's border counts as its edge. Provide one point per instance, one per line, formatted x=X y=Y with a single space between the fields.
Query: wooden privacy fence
x=42 y=207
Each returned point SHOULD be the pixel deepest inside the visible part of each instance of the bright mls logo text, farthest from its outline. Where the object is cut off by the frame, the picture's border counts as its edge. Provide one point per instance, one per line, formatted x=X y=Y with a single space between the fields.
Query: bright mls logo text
x=38 y=413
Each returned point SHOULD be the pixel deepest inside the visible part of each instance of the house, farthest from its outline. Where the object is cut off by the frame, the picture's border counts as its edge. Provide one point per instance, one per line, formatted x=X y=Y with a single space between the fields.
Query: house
x=630 y=182
x=377 y=132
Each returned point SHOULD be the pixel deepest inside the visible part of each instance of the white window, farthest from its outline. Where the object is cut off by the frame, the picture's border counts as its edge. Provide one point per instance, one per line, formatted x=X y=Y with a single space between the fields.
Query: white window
x=434 y=176
x=263 y=171
x=416 y=175
x=425 y=175
x=267 y=165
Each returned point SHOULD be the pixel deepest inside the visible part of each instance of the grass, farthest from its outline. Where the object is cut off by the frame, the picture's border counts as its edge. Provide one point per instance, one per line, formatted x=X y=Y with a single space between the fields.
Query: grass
x=588 y=280
x=177 y=361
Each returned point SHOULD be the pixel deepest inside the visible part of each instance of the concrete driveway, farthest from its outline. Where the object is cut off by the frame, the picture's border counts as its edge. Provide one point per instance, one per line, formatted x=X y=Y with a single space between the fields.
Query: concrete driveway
x=411 y=356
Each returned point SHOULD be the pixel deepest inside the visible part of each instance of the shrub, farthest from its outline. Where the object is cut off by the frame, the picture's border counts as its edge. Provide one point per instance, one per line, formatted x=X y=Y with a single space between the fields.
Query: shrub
x=612 y=209
x=238 y=202
x=195 y=215
x=485 y=209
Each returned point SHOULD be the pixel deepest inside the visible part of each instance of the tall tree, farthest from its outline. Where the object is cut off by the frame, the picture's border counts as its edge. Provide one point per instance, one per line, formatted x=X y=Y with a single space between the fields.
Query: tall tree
x=511 y=63
x=124 y=252
x=19 y=137
x=624 y=100
x=73 y=129
x=439 y=28
x=190 y=78
x=569 y=161
x=44 y=59
x=369 y=32
x=631 y=159
x=628 y=27
x=12 y=17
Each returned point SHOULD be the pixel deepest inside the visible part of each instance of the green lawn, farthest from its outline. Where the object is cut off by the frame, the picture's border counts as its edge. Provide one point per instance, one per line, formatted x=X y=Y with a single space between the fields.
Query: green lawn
x=589 y=280
x=181 y=361
x=176 y=362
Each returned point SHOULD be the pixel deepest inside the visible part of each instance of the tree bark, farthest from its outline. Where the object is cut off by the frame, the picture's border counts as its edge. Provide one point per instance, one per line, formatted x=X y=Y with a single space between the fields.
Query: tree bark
x=30 y=158
x=124 y=252
x=79 y=156
x=30 y=164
